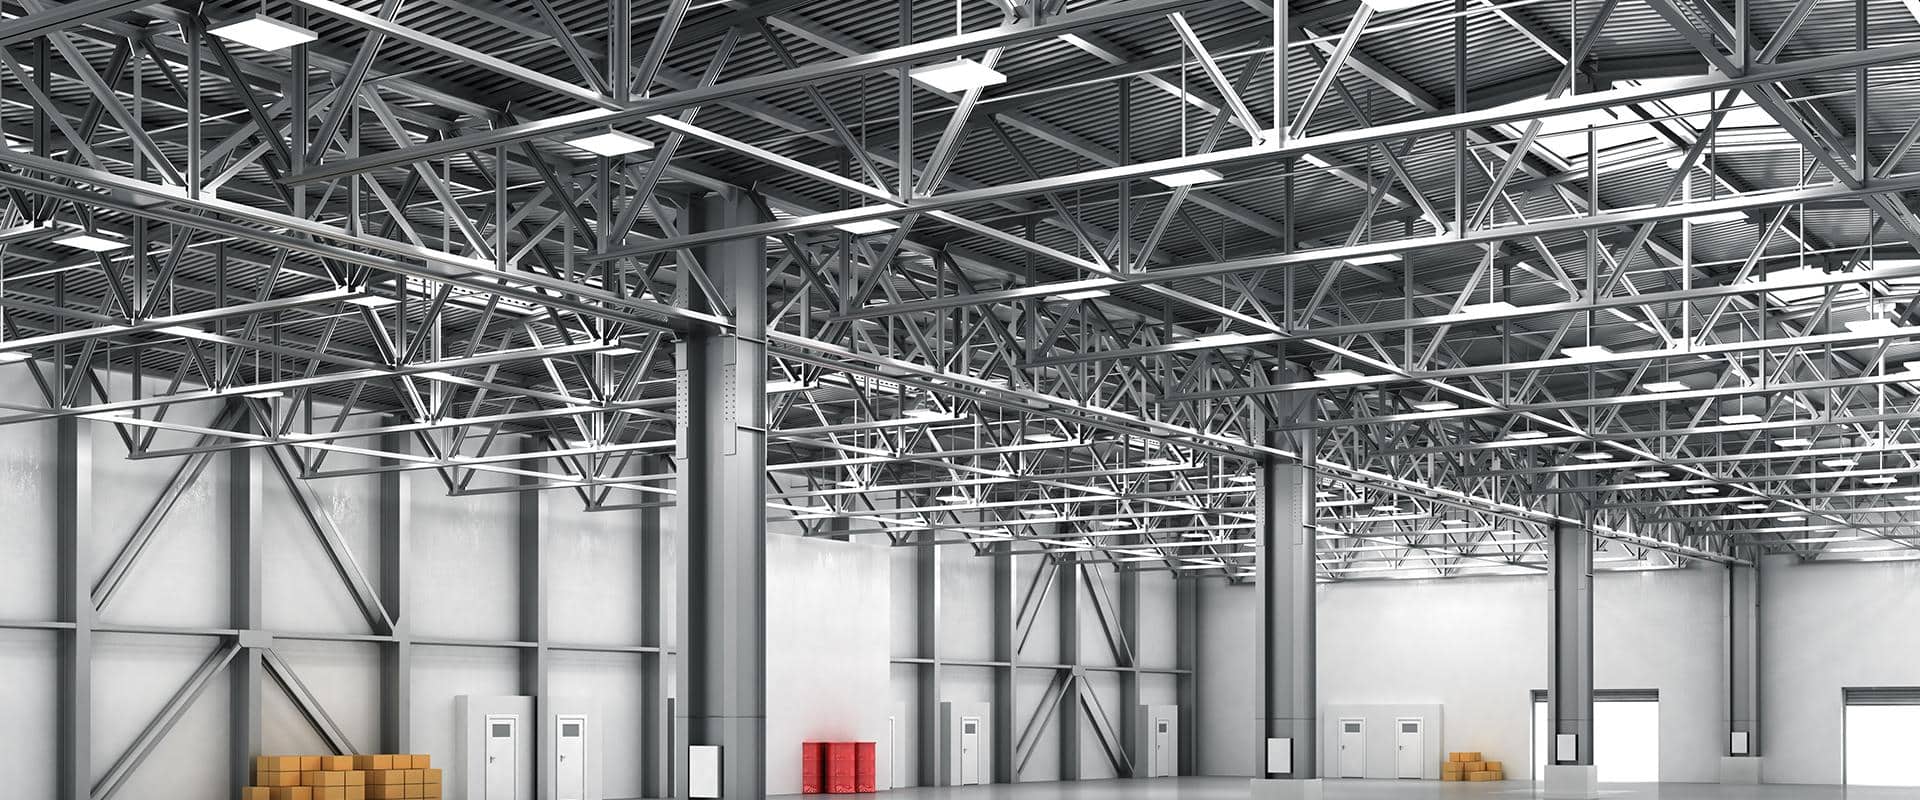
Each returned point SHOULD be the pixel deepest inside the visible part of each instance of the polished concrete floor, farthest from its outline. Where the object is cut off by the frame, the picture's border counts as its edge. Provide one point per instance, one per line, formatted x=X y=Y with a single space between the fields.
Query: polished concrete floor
x=1236 y=788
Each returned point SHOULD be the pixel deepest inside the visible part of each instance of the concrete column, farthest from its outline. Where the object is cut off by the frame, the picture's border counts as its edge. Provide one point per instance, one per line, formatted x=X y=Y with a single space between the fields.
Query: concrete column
x=721 y=511
x=1570 y=770
x=1285 y=680
x=1741 y=763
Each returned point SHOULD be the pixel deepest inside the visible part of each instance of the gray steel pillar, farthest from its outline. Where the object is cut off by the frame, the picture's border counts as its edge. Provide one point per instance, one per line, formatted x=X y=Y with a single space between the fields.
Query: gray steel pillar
x=73 y=694
x=1743 y=657
x=1570 y=772
x=1285 y=680
x=243 y=554
x=721 y=512
x=396 y=657
x=656 y=751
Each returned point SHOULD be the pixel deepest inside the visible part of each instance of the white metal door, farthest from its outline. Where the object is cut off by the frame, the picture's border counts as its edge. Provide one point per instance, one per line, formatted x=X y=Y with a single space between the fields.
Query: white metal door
x=503 y=748
x=1162 y=766
x=969 y=751
x=1353 y=748
x=1413 y=748
x=570 y=759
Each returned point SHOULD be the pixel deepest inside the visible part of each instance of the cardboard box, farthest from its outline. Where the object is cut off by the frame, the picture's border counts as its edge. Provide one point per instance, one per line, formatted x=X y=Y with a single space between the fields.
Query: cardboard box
x=1475 y=766
x=309 y=763
x=276 y=764
x=356 y=793
x=433 y=791
x=329 y=793
x=256 y=793
x=277 y=779
x=433 y=775
x=336 y=763
x=1464 y=756
x=386 y=777
x=356 y=778
x=1453 y=776
x=1453 y=766
x=387 y=791
x=1495 y=766
x=416 y=790
x=325 y=778
x=422 y=761
x=292 y=793
x=373 y=762
x=416 y=776
x=1484 y=775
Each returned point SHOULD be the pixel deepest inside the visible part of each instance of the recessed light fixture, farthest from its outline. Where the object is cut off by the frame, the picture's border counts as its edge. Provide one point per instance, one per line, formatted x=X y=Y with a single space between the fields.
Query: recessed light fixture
x=1588 y=351
x=1912 y=498
x=91 y=242
x=1880 y=480
x=1752 y=506
x=610 y=144
x=1740 y=419
x=1526 y=436
x=1792 y=517
x=1188 y=177
x=1837 y=463
x=262 y=32
x=1664 y=386
x=958 y=75
x=868 y=227
x=1702 y=490
x=1080 y=294
x=1651 y=474
x=1040 y=512
x=1372 y=260
x=1795 y=441
x=1593 y=455
x=1436 y=405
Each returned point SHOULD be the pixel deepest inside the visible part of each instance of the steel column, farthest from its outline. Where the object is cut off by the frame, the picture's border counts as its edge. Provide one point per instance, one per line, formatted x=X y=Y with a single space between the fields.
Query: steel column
x=73 y=514
x=243 y=553
x=1284 y=679
x=396 y=656
x=657 y=723
x=926 y=568
x=1570 y=636
x=535 y=665
x=1743 y=655
x=1067 y=581
x=721 y=512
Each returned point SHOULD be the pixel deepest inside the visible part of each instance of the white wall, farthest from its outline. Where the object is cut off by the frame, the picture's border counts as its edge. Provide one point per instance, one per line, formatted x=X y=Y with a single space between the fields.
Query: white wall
x=1824 y=627
x=827 y=643
x=1478 y=648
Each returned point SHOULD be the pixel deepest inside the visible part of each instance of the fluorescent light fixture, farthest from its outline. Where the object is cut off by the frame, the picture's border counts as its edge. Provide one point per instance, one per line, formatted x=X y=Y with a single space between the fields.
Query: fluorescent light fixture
x=179 y=330
x=1702 y=490
x=775 y=387
x=1387 y=509
x=1880 y=480
x=927 y=414
x=1157 y=461
x=1080 y=294
x=1040 y=512
x=1716 y=218
x=1241 y=479
x=1115 y=524
x=1652 y=474
x=14 y=356
x=1224 y=339
x=610 y=144
x=373 y=301
x=1188 y=177
x=954 y=497
x=1396 y=5
x=1453 y=523
x=1837 y=463
x=1367 y=261
x=1752 y=506
x=1593 y=455
x=1324 y=495
x=868 y=227
x=1043 y=437
x=1436 y=405
x=1912 y=498
x=1740 y=419
x=262 y=32
x=1873 y=325
x=91 y=242
x=1911 y=366
x=958 y=75
x=1491 y=307
x=1334 y=375
x=268 y=394
x=1664 y=386
x=1792 y=518
x=850 y=484
x=1587 y=351
x=1524 y=436
x=1795 y=441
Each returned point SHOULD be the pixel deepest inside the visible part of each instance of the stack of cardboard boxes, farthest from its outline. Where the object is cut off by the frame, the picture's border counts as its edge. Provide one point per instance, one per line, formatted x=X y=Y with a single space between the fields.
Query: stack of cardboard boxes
x=382 y=777
x=1471 y=767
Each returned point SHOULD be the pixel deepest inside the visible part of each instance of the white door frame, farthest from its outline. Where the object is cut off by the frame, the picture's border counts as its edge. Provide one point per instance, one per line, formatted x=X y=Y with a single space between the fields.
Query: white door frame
x=1339 y=763
x=1419 y=758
